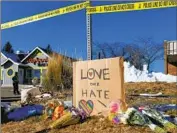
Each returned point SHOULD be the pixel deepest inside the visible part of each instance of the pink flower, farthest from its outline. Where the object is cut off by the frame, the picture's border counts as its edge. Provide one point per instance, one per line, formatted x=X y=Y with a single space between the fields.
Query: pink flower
x=114 y=106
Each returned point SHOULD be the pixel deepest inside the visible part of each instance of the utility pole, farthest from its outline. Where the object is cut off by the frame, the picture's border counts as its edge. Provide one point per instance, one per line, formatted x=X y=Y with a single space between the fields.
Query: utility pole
x=89 y=35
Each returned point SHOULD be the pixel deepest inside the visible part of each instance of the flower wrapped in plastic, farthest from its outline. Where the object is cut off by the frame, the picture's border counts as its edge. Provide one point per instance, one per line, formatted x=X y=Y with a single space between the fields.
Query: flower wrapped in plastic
x=70 y=116
x=157 y=116
x=114 y=111
x=114 y=118
x=58 y=112
x=50 y=108
x=135 y=117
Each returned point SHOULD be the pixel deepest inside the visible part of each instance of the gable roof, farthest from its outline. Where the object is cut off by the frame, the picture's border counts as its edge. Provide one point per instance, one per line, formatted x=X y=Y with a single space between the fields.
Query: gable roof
x=12 y=56
x=5 y=62
x=35 y=50
x=16 y=59
x=8 y=59
x=3 y=55
x=22 y=56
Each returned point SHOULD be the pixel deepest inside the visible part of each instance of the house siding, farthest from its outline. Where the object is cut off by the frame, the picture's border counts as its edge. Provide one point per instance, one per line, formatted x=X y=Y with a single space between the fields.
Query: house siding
x=172 y=69
x=170 y=57
x=34 y=67
x=7 y=80
x=3 y=59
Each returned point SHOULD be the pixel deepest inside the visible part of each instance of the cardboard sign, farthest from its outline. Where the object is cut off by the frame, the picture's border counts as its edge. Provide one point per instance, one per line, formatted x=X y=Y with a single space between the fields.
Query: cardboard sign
x=96 y=83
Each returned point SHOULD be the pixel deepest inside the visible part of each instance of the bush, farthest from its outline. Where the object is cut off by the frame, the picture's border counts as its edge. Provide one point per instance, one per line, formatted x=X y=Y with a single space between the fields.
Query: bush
x=59 y=74
x=67 y=73
x=52 y=78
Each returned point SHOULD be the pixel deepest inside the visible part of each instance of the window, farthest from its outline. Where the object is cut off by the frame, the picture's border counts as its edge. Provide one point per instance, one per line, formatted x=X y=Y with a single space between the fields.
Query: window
x=28 y=73
x=10 y=72
x=37 y=73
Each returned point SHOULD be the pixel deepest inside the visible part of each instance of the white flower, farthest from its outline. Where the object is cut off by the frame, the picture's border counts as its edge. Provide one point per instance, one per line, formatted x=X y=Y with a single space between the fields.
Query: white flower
x=123 y=120
x=129 y=111
x=152 y=126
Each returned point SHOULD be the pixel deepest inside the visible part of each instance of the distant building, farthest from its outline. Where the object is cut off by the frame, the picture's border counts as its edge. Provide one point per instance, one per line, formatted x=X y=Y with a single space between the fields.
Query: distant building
x=170 y=54
x=28 y=65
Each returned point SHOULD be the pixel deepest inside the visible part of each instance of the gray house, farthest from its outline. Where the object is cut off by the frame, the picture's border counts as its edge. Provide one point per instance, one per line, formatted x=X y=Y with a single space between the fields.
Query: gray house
x=28 y=66
x=10 y=63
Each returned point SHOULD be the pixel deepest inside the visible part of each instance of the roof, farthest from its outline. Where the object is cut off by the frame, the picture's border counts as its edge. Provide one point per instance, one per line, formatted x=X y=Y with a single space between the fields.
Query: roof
x=12 y=56
x=19 y=58
x=42 y=50
x=45 y=53
x=171 y=41
x=7 y=61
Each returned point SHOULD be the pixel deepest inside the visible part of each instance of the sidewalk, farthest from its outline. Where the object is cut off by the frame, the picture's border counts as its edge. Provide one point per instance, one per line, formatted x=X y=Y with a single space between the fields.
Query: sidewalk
x=7 y=91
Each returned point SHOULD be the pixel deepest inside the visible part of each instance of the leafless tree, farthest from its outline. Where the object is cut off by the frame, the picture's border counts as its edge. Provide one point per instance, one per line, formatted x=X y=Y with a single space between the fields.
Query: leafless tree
x=135 y=56
x=142 y=51
x=100 y=49
x=151 y=50
x=110 y=49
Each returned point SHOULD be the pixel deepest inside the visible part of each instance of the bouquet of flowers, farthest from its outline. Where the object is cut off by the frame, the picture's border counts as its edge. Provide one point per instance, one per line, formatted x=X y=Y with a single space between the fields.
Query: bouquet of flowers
x=115 y=111
x=69 y=116
x=157 y=116
x=134 y=117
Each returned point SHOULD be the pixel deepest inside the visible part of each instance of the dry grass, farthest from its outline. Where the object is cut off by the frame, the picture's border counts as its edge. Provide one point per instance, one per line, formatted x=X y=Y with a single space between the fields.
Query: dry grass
x=59 y=73
x=93 y=125
x=152 y=88
x=96 y=124
x=155 y=87
x=52 y=77
x=67 y=73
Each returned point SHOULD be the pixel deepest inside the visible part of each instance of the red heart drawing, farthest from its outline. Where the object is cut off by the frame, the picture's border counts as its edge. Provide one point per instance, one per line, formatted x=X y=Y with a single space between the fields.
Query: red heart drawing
x=90 y=74
x=87 y=107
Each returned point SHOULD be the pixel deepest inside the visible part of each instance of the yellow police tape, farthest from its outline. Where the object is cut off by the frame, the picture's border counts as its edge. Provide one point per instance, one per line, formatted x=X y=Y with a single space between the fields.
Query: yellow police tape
x=91 y=10
x=131 y=6
x=45 y=15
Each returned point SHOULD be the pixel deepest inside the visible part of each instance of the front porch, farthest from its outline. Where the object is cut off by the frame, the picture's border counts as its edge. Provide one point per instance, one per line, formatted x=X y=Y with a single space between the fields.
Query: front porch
x=26 y=74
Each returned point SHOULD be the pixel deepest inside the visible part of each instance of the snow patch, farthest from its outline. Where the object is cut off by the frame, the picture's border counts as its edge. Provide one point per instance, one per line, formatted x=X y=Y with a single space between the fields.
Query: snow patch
x=131 y=74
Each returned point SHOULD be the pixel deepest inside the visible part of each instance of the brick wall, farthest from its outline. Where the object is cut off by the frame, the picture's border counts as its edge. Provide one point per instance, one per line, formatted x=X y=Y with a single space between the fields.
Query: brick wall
x=172 y=69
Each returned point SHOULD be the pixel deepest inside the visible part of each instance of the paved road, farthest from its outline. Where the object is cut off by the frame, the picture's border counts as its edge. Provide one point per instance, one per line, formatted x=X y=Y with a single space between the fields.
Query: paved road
x=7 y=92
